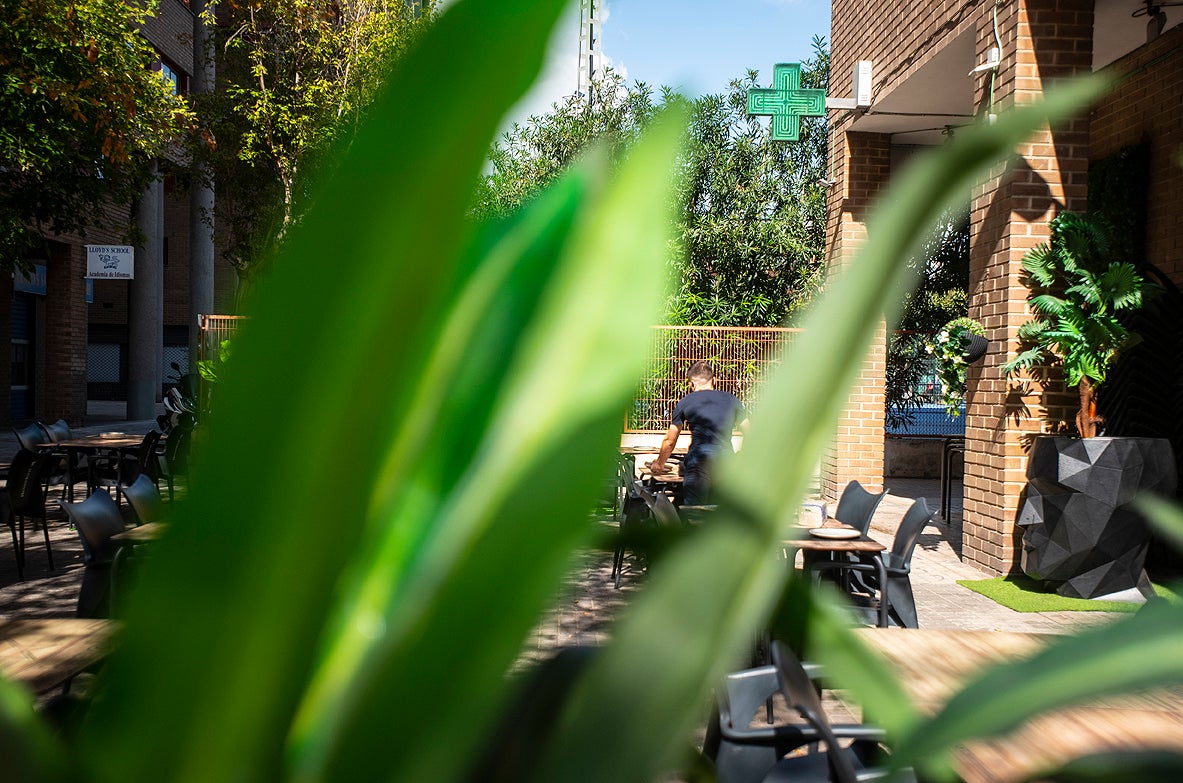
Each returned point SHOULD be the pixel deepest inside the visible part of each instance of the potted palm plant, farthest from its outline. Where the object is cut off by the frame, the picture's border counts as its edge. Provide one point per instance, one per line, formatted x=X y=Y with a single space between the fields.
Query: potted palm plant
x=1082 y=537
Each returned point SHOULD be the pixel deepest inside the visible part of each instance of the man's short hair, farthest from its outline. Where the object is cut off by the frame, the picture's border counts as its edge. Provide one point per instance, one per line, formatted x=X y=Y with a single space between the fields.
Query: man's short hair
x=701 y=371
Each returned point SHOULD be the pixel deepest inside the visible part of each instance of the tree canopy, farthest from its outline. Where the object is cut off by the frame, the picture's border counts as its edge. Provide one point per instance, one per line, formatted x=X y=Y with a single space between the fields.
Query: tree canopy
x=750 y=233
x=84 y=116
x=294 y=80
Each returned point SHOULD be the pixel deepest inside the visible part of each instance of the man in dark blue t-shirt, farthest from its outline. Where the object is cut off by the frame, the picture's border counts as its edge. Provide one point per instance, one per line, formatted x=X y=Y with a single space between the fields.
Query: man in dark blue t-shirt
x=711 y=416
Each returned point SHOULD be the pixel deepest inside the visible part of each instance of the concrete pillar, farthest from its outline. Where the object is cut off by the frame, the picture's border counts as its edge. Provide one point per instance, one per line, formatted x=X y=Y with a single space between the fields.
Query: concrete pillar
x=201 y=207
x=145 y=307
x=857 y=449
x=1043 y=40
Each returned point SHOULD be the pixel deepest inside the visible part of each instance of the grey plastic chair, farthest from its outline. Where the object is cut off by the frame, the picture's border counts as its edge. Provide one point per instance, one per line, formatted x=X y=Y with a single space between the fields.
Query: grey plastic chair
x=144 y=499
x=857 y=506
x=97 y=519
x=646 y=514
x=746 y=746
x=885 y=584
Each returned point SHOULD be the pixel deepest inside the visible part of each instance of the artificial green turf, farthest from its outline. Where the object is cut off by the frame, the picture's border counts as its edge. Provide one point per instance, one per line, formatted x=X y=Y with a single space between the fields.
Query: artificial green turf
x=1024 y=594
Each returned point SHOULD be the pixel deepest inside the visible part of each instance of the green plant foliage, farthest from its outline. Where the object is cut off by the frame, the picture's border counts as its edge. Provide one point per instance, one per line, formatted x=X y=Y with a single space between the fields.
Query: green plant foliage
x=940 y=295
x=698 y=611
x=749 y=237
x=295 y=80
x=360 y=558
x=948 y=347
x=84 y=116
x=1135 y=653
x=1076 y=295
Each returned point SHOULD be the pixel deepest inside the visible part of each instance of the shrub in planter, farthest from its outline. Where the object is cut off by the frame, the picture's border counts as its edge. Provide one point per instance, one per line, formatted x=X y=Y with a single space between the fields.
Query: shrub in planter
x=1082 y=535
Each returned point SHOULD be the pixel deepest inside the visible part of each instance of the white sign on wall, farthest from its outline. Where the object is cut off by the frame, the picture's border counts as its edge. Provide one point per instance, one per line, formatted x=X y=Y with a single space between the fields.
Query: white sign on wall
x=109 y=262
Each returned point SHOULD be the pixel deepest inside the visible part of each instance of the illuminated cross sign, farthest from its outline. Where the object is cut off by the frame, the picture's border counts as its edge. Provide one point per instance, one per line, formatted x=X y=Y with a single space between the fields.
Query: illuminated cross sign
x=786 y=102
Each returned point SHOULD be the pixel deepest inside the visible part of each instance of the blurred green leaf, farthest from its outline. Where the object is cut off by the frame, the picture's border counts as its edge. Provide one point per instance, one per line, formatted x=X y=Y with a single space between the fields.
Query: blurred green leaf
x=573 y=370
x=852 y=665
x=31 y=753
x=702 y=608
x=223 y=634
x=1149 y=766
x=1129 y=655
x=1166 y=517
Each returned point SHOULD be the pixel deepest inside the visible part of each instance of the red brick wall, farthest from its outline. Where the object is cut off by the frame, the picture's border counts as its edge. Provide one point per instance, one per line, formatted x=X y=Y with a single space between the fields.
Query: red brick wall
x=1148 y=106
x=898 y=37
x=1042 y=40
x=864 y=160
x=65 y=336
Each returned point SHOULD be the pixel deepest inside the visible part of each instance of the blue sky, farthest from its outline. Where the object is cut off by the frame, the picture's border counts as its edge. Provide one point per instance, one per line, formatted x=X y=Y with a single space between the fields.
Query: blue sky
x=697 y=46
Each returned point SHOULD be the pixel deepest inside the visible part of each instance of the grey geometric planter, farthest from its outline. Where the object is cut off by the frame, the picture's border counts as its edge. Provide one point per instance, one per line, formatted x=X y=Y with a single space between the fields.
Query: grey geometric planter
x=1083 y=539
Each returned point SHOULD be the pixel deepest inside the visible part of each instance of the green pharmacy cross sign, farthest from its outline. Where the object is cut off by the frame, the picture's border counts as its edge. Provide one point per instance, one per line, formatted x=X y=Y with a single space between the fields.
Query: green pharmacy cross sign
x=786 y=102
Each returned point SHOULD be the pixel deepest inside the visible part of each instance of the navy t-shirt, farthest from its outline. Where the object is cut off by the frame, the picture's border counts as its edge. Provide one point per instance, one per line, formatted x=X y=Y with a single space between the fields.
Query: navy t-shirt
x=710 y=415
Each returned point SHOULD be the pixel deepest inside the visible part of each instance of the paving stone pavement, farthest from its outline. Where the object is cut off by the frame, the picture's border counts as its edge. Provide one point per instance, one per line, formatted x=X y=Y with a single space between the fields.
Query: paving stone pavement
x=584 y=613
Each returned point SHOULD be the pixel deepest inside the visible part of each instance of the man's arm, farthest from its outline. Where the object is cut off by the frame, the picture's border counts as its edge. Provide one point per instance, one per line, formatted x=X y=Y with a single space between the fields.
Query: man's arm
x=667 y=448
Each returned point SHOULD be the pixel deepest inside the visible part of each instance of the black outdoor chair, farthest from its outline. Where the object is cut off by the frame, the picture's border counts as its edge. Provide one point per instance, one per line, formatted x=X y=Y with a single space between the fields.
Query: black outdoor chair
x=97 y=519
x=648 y=518
x=115 y=470
x=72 y=467
x=173 y=461
x=746 y=743
x=856 y=507
x=31 y=436
x=144 y=499
x=26 y=495
x=883 y=591
x=7 y=518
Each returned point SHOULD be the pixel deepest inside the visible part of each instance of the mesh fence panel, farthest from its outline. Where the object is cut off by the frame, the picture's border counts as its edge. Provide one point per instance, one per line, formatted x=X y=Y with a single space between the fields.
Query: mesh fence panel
x=742 y=357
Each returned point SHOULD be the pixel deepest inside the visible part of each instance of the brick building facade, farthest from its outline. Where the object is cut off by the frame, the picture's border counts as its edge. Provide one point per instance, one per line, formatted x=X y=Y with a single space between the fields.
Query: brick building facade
x=72 y=341
x=926 y=83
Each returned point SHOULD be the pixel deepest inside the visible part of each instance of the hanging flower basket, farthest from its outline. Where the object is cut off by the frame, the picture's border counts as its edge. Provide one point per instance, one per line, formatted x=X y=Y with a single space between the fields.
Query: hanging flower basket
x=959 y=343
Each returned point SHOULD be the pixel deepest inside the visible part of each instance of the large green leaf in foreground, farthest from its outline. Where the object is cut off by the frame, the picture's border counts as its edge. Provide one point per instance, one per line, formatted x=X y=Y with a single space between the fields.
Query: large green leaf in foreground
x=701 y=610
x=229 y=625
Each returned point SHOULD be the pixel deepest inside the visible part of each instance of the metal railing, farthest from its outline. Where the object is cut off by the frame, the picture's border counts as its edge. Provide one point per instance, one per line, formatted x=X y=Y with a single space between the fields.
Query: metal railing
x=742 y=357
x=214 y=330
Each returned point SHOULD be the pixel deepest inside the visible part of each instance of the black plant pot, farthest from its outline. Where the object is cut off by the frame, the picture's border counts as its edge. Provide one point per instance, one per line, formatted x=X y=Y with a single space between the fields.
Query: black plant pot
x=975 y=348
x=1082 y=536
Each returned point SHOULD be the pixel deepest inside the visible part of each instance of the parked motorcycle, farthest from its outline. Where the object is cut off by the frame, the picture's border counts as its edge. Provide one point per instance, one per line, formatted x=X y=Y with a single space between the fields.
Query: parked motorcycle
x=180 y=403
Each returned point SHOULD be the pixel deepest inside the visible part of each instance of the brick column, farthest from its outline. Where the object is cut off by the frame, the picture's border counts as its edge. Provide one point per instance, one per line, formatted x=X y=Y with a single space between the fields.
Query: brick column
x=857 y=450
x=65 y=334
x=1041 y=41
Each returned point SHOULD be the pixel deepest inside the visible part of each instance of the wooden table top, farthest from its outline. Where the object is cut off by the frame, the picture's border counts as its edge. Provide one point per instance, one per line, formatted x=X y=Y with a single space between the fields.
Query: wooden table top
x=141 y=534
x=801 y=539
x=665 y=478
x=636 y=450
x=935 y=664
x=44 y=653
x=97 y=442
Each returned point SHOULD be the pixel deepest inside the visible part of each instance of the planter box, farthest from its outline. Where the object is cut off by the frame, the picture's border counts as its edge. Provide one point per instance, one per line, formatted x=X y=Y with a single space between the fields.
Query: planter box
x=1082 y=536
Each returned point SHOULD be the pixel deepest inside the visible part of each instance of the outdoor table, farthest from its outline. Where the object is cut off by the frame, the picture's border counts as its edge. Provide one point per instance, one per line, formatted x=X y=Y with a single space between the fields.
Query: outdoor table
x=801 y=539
x=42 y=654
x=932 y=665
x=141 y=534
x=89 y=444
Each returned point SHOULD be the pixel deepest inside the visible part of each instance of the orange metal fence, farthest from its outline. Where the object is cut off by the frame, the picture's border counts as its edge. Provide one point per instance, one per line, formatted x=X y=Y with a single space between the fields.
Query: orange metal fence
x=214 y=329
x=742 y=357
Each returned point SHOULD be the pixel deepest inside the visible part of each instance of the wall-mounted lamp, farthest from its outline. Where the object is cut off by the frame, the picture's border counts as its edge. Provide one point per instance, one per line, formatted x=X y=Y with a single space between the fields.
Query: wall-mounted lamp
x=993 y=57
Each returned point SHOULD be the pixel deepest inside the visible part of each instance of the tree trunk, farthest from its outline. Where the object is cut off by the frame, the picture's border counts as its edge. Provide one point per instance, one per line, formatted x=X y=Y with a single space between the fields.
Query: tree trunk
x=1087 y=418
